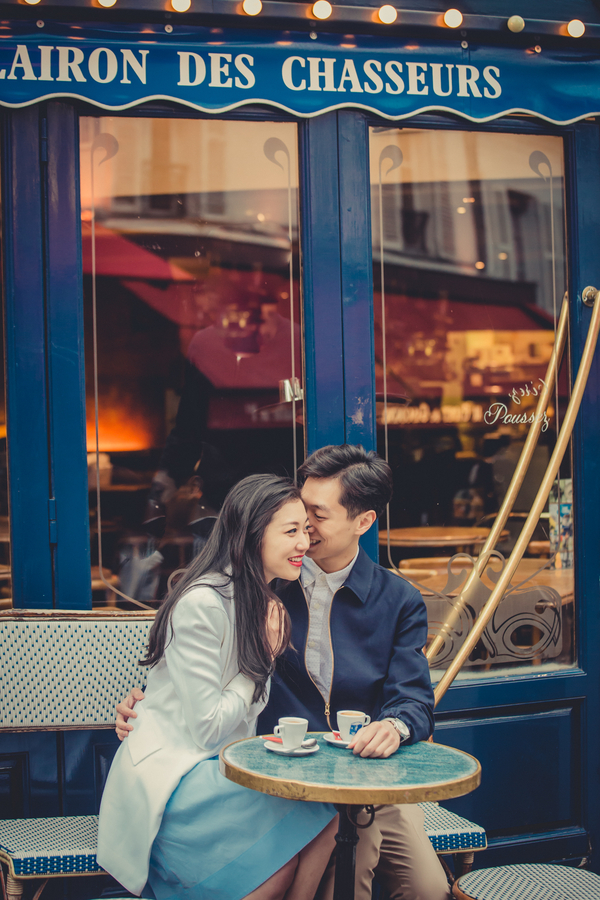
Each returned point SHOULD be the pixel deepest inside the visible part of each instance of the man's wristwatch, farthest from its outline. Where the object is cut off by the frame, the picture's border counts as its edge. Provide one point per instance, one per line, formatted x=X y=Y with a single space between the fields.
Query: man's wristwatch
x=401 y=728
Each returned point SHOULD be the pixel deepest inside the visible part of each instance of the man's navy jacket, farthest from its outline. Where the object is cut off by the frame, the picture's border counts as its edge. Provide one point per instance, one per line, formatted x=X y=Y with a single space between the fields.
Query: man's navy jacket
x=378 y=628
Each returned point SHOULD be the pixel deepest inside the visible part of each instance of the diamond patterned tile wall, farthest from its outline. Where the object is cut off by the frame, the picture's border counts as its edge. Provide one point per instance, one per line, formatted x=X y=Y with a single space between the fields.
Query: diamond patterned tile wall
x=61 y=673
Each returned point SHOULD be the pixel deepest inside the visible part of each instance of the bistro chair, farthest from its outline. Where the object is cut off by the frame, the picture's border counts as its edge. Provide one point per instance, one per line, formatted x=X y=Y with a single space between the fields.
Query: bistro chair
x=64 y=671
x=528 y=882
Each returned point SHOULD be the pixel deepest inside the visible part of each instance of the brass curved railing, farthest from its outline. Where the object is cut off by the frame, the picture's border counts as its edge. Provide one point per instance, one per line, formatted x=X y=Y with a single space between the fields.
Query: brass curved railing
x=513 y=489
x=590 y=295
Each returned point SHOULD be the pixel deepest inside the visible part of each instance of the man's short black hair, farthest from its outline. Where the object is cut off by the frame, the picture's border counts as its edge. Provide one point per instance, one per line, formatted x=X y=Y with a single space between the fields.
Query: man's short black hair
x=365 y=478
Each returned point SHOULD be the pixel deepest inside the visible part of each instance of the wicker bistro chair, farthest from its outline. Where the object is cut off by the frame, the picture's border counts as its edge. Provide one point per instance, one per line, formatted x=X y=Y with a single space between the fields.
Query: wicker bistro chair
x=62 y=671
x=65 y=671
x=528 y=882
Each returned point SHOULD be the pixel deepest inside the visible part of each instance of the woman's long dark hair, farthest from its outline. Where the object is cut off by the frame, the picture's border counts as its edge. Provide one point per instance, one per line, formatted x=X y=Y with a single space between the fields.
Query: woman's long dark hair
x=234 y=551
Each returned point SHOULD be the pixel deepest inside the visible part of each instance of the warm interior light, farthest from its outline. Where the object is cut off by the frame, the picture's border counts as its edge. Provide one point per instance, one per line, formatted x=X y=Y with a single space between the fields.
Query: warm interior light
x=576 y=28
x=453 y=18
x=252 y=7
x=387 y=14
x=479 y=265
x=181 y=5
x=322 y=9
x=32 y=2
x=107 y=3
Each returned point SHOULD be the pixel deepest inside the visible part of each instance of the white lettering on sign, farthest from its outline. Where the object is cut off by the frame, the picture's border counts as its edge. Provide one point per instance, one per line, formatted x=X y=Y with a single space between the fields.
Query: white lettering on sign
x=21 y=61
x=416 y=78
x=242 y=63
x=185 y=58
x=102 y=64
x=342 y=75
x=371 y=68
x=353 y=75
x=316 y=73
x=139 y=67
x=219 y=65
x=491 y=75
x=392 y=70
x=349 y=74
x=69 y=61
x=46 y=63
x=436 y=78
x=467 y=81
x=109 y=63
x=287 y=74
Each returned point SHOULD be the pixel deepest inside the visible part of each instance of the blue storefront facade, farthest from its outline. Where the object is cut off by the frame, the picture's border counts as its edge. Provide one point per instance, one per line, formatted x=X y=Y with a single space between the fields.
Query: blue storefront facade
x=401 y=208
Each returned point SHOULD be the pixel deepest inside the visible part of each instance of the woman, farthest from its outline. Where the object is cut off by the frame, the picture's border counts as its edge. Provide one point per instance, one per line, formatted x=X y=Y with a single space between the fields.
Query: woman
x=170 y=824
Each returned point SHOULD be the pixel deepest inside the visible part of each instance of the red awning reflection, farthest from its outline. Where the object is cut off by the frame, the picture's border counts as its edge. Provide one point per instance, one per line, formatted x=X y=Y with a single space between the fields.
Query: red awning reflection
x=120 y=258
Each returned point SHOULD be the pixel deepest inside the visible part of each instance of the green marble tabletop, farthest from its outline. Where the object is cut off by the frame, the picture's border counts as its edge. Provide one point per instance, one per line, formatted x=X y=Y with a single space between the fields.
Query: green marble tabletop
x=419 y=772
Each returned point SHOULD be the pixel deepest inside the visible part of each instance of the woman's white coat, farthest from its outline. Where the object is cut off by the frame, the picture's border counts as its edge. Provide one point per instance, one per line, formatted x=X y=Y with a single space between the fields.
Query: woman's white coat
x=196 y=702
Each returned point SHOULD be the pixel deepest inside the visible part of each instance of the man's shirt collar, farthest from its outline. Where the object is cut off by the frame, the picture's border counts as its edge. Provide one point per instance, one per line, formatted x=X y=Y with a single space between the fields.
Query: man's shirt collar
x=311 y=571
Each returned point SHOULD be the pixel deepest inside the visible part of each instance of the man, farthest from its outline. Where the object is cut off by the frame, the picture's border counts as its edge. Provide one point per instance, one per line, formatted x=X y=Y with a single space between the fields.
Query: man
x=358 y=632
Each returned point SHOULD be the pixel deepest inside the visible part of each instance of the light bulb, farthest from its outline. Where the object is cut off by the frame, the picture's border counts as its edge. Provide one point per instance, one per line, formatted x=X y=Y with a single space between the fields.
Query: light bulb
x=252 y=7
x=516 y=24
x=387 y=14
x=453 y=18
x=181 y=5
x=576 y=28
x=322 y=9
x=107 y=3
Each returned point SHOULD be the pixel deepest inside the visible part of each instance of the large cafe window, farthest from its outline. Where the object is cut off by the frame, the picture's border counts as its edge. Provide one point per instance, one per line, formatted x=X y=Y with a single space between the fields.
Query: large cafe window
x=469 y=272
x=193 y=332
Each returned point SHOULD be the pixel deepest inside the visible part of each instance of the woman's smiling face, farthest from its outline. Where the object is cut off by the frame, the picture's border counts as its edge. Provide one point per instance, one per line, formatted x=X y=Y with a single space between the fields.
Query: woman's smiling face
x=285 y=542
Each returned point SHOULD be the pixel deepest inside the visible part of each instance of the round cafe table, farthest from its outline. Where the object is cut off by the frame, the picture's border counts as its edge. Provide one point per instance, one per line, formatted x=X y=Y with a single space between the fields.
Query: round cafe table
x=416 y=773
x=436 y=536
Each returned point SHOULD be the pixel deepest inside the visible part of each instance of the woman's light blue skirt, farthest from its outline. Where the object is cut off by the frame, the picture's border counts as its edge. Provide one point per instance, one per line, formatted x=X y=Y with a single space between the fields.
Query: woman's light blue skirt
x=220 y=841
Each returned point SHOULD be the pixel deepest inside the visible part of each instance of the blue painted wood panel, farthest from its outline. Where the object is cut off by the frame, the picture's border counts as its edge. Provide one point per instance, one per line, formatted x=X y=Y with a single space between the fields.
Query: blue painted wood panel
x=66 y=360
x=530 y=768
x=26 y=400
x=583 y=193
x=357 y=291
x=357 y=281
x=321 y=282
x=29 y=775
x=87 y=759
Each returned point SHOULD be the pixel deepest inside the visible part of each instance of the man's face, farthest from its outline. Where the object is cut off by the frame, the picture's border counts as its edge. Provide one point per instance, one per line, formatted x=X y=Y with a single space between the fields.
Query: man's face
x=333 y=535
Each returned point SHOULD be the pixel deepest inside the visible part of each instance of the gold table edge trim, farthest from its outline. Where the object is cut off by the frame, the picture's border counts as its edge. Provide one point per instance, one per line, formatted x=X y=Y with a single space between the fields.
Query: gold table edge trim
x=302 y=790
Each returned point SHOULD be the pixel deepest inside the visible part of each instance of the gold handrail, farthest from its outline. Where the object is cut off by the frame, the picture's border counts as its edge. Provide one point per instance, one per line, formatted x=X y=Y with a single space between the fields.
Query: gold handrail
x=538 y=504
x=513 y=489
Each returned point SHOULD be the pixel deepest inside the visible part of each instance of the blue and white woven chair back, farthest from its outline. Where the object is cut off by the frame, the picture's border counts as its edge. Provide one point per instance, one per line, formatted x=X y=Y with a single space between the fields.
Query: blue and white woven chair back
x=68 y=672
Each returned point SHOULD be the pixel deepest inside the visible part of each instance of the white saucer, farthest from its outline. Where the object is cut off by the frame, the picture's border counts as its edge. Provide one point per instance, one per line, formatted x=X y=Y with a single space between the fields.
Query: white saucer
x=282 y=751
x=333 y=741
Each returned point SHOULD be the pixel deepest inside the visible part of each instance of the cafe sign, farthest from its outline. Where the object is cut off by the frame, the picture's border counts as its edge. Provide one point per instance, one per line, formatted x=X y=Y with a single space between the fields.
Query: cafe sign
x=215 y=70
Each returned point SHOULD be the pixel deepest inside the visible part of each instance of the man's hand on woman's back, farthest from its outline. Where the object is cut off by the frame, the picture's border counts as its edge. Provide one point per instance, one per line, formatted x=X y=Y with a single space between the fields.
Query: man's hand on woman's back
x=125 y=711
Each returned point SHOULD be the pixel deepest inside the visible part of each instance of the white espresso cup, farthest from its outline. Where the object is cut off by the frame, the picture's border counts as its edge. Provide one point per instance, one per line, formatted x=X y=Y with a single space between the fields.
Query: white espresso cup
x=350 y=721
x=292 y=731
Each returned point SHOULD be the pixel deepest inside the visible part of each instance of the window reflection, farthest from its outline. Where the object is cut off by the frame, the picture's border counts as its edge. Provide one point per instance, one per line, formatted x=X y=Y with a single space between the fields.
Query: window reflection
x=190 y=256
x=469 y=274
